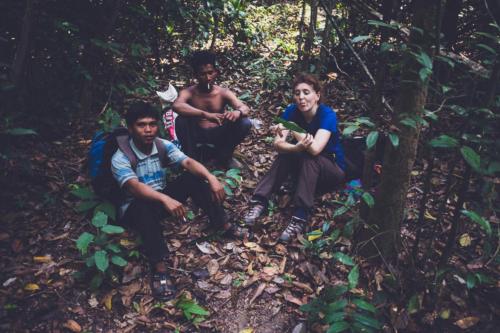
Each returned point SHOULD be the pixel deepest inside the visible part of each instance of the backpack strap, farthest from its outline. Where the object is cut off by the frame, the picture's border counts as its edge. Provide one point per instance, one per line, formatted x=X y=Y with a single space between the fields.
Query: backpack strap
x=162 y=152
x=124 y=145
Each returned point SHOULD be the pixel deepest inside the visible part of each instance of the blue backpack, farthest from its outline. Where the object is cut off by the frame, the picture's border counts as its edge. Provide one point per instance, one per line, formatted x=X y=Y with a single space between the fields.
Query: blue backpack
x=102 y=148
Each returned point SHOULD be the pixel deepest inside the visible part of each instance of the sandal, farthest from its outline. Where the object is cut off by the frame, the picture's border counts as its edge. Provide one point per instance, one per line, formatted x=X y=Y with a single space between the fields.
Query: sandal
x=162 y=287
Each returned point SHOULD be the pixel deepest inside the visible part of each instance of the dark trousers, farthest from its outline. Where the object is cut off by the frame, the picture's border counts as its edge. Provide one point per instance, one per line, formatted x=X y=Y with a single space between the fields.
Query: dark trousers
x=225 y=138
x=311 y=174
x=145 y=216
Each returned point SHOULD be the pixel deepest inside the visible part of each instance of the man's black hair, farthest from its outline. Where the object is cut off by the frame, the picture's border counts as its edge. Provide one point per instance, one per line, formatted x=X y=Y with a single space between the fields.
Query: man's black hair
x=200 y=58
x=140 y=110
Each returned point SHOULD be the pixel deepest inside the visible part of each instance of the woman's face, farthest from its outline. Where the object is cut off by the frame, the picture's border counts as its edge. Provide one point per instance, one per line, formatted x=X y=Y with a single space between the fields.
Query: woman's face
x=305 y=97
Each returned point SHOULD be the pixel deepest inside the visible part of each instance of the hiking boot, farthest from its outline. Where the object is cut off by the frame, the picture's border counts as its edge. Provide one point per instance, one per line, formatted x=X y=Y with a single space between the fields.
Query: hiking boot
x=295 y=227
x=254 y=213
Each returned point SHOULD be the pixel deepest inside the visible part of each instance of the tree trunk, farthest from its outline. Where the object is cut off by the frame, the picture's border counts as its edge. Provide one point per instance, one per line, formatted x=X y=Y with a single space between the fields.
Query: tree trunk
x=385 y=219
x=311 y=32
x=325 y=39
x=22 y=51
x=301 y=31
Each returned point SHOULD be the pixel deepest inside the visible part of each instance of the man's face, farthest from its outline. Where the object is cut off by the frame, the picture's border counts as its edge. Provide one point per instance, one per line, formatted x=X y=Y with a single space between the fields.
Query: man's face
x=206 y=75
x=144 y=130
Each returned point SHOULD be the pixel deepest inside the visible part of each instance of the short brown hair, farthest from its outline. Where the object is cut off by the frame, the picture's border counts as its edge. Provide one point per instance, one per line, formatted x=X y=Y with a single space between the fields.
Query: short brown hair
x=310 y=79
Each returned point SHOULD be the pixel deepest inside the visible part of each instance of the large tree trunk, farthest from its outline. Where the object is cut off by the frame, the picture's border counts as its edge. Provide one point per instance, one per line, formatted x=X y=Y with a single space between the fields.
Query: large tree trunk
x=384 y=222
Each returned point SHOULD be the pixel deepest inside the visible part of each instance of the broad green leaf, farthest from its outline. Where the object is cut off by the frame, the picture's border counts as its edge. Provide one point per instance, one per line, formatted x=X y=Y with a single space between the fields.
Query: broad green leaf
x=394 y=139
x=371 y=139
x=84 y=193
x=82 y=243
x=290 y=125
x=444 y=141
x=446 y=60
x=358 y=39
x=107 y=208
x=470 y=280
x=353 y=277
x=234 y=173
x=337 y=327
x=362 y=304
x=365 y=121
x=475 y=217
x=20 y=131
x=365 y=320
x=424 y=73
x=113 y=248
x=368 y=199
x=424 y=59
x=99 y=220
x=482 y=278
x=409 y=122
x=119 y=261
x=360 y=328
x=413 y=305
x=86 y=206
x=487 y=48
x=96 y=281
x=90 y=261
x=343 y=258
x=349 y=130
x=337 y=305
x=231 y=182
x=471 y=157
x=228 y=190
x=101 y=260
x=335 y=317
x=112 y=229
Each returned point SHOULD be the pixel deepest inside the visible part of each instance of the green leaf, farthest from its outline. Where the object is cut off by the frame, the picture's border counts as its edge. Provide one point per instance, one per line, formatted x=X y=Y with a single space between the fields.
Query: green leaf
x=83 y=242
x=113 y=248
x=444 y=141
x=368 y=199
x=357 y=327
x=112 y=229
x=471 y=157
x=337 y=327
x=424 y=59
x=343 y=258
x=487 y=48
x=101 y=260
x=383 y=24
x=362 y=304
x=446 y=60
x=353 y=277
x=86 y=206
x=290 y=125
x=482 y=278
x=365 y=320
x=99 y=220
x=337 y=305
x=231 y=182
x=96 y=281
x=228 y=191
x=470 y=280
x=409 y=122
x=349 y=130
x=335 y=317
x=234 y=173
x=358 y=39
x=371 y=139
x=475 y=217
x=107 y=208
x=20 y=131
x=394 y=139
x=413 y=305
x=84 y=193
x=90 y=261
x=424 y=73
x=119 y=261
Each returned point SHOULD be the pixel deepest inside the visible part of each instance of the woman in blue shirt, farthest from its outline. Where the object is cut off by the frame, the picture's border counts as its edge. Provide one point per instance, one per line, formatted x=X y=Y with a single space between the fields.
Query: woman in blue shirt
x=314 y=159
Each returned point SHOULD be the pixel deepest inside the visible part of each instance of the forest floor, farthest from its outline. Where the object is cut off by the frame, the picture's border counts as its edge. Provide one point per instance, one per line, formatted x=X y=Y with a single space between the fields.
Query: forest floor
x=247 y=286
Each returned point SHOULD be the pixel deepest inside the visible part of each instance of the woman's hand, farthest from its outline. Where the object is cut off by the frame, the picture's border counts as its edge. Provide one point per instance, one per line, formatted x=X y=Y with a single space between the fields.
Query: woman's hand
x=278 y=130
x=305 y=142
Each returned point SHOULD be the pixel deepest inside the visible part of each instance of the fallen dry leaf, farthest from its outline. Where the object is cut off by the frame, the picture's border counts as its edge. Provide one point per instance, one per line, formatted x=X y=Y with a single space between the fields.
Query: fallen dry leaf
x=258 y=292
x=292 y=299
x=42 y=259
x=253 y=246
x=72 y=325
x=205 y=247
x=213 y=267
x=31 y=287
x=467 y=322
x=108 y=300
x=129 y=291
x=223 y=294
x=226 y=280
x=303 y=286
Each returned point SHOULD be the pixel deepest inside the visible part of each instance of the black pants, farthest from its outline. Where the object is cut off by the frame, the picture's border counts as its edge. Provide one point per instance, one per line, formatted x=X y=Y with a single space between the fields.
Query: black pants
x=311 y=174
x=145 y=216
x=225 y=138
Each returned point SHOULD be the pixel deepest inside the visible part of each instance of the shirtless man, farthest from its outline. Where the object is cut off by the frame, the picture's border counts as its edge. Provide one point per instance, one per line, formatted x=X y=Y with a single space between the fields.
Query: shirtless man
x=203 y=117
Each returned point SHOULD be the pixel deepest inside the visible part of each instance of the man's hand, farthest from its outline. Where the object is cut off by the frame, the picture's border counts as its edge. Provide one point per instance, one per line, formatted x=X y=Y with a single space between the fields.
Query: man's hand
x=306 y=141
x=232 y=115
x=218 y=193
x=214 y=117
x=174 y=207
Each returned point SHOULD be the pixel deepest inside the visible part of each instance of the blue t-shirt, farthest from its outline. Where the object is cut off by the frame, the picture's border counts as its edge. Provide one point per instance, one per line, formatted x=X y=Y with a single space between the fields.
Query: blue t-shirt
x=325 y=118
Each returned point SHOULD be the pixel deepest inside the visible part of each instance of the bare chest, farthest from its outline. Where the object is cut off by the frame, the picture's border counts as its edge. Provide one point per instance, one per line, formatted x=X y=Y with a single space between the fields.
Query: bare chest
x=213 y=103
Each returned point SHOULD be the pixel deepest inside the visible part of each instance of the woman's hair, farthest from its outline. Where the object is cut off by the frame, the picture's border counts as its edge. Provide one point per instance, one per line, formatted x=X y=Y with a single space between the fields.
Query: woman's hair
x=310 y=79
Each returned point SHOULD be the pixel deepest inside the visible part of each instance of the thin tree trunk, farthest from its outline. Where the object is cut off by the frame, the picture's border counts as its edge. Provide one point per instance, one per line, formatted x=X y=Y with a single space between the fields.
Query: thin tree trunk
x=301 y=31
x=22 y=51
x=311 y=32
x=325 y=39
x=385 y=219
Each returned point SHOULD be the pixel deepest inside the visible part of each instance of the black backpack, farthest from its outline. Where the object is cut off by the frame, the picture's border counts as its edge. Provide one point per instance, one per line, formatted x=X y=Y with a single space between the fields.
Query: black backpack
x=102 y=148
x=354 y=155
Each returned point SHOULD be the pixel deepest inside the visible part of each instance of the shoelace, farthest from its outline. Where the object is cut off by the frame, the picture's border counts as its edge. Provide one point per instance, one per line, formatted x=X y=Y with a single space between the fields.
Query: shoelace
x=294 y=227
x=254 y=211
